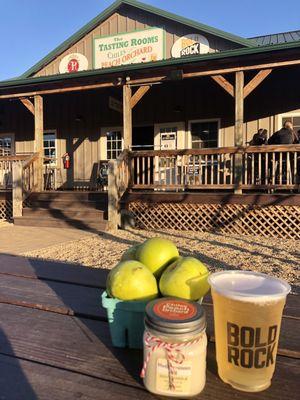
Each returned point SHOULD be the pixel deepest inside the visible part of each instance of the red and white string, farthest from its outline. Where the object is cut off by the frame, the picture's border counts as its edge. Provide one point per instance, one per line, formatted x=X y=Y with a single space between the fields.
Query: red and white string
x=173 y=354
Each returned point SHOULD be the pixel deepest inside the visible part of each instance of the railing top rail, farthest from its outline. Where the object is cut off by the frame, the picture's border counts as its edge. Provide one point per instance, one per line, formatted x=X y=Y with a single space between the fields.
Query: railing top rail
x=188 y=152
x=17 y=157
x=217 y=150
x=274 y=148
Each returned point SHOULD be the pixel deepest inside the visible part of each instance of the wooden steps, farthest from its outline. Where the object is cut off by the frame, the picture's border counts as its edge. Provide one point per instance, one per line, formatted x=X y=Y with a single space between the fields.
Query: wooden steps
x=79 y=210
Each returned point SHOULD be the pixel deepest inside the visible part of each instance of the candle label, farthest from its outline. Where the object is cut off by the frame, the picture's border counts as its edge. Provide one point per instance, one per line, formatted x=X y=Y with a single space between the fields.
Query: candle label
x=181 y=377
x=175 y=310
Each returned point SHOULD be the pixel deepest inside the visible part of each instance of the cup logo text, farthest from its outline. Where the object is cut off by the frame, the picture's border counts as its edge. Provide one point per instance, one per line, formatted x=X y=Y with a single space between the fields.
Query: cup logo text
x=251 y=347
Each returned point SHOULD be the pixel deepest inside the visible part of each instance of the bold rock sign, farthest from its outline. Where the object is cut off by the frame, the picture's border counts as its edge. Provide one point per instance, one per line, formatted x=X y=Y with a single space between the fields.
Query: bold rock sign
x=73 y=63
x=190 y=45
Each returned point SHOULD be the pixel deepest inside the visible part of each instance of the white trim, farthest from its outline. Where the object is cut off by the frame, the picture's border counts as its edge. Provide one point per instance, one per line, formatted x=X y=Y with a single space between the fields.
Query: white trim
x=45 y=132
x=6 y=134
x=103 y=139
x=191 y=121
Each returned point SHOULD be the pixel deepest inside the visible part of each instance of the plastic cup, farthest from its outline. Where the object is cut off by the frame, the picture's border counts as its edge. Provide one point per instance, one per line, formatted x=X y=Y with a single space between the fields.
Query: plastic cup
x=247 y=314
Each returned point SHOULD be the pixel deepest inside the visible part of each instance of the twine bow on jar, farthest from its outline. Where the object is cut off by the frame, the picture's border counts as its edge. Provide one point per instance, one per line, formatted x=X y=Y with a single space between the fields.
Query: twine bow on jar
x=173 y=354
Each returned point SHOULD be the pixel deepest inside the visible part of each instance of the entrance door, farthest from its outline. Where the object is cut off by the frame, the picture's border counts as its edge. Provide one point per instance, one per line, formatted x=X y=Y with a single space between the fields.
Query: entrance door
x=7 y=144
x=143 y=138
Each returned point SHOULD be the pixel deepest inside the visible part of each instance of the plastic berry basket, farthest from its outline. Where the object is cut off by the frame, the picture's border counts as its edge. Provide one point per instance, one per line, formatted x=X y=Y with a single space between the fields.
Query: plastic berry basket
x=126 y=321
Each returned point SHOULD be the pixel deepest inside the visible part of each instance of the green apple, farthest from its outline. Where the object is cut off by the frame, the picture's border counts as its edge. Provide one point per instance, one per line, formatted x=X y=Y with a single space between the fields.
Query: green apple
x=130 y=254
x=131 y=280
x=156 y=254
x=185 y=278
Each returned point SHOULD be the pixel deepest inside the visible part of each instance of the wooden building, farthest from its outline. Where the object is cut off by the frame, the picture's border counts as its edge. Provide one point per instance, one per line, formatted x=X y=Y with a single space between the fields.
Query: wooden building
x=173 y=104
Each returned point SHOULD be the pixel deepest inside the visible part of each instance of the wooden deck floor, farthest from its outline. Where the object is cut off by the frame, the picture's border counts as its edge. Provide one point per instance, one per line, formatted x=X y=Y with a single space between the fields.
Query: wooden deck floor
x=55 y=342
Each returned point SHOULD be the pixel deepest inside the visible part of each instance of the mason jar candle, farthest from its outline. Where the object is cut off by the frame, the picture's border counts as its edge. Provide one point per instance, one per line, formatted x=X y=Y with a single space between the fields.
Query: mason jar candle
x=174 y=348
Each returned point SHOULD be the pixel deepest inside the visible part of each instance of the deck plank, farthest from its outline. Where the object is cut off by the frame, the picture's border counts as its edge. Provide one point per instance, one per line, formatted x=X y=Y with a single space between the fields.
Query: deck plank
x=84 y=301
x=83 y=276
x=33 y=381
x=83 y=347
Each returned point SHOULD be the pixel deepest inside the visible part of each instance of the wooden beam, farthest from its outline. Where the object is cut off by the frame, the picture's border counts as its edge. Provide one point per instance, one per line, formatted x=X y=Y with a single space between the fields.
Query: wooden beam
x=238 y=129
x=39 y=138
x=56 y=91
x=113 y=200
x=28 y=104
x=127 y=116
x=262 y=74
x=152 y=79
x=142 y=90
x=223 y=82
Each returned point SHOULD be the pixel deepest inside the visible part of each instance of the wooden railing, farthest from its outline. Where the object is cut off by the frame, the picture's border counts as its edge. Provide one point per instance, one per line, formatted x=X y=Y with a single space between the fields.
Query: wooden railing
x=263 y=167
x=30 y=175
x=6 y=167
x=118 y=182
x=271 y=167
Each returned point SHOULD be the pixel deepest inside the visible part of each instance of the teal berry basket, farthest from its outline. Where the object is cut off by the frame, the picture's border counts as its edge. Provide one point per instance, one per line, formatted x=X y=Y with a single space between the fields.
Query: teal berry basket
x=126 y=321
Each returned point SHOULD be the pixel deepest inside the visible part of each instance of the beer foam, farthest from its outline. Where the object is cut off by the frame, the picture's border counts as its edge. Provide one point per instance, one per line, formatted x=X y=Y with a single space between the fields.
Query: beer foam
x=249 y=286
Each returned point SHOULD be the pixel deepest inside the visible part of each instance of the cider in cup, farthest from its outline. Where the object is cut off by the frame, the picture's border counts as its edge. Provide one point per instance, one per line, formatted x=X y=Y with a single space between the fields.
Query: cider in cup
x=247 y=314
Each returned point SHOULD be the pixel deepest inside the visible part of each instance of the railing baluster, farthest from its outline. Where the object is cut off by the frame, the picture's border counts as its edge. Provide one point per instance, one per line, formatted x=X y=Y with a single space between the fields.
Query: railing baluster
x=259 y=169
x=280 y=168
x=288 y=169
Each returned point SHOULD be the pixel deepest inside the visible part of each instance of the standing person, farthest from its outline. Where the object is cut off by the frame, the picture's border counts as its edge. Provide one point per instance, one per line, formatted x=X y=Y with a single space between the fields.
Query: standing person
x=285 y=135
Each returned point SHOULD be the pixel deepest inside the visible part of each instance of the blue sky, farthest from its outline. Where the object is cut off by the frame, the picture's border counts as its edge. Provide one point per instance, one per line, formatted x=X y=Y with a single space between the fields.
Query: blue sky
x=29 y=29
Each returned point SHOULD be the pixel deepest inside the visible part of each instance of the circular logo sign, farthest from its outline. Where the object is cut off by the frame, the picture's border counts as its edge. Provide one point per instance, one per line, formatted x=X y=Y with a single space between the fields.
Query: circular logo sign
x=73 y=63
x=175 y=309
x=190 y=45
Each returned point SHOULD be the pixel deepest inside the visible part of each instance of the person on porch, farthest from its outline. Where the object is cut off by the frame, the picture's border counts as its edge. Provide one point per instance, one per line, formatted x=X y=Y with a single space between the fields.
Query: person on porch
x=286 y=135
x=259 y=138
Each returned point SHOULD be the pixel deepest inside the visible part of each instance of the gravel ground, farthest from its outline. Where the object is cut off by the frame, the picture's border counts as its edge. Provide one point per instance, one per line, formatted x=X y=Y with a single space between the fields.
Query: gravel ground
x=277 y=257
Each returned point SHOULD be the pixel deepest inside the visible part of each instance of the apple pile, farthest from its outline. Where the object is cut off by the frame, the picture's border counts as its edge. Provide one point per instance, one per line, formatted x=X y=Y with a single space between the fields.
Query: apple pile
x=155 y=267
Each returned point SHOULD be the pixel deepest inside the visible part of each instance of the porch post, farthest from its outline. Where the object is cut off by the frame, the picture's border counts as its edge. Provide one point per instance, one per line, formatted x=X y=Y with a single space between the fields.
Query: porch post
x=238 y=129
x=38 y=138
x=17 y=189
x=127 y=116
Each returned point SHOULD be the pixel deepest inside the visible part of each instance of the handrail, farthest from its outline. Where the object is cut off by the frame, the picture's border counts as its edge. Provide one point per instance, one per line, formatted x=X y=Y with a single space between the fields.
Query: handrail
x=217 y=150
x=30 y=160
x=17 y=157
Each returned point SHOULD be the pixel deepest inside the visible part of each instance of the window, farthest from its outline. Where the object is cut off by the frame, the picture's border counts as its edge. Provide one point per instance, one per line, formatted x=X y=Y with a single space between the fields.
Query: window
x=295 y=119
x=6 y=145
x=50 y=147
x=204 y=134
x=114 y=144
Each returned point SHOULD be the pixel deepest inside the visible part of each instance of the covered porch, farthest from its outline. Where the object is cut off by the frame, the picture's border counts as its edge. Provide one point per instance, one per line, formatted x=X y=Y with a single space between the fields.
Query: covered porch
x=234 y=88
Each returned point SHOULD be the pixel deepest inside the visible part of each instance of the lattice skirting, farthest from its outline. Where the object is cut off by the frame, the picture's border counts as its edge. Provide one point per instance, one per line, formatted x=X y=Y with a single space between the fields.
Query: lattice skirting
x=241 y=219
x=5 y=210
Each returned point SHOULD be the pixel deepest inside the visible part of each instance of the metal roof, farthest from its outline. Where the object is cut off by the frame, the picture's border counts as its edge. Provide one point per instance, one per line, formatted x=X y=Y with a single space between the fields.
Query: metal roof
x=277 y=38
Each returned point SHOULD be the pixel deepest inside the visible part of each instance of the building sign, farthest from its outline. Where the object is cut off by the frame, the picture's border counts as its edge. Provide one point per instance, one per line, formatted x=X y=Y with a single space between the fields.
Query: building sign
x=73 y=63
x=129 y=48
x=190 y=45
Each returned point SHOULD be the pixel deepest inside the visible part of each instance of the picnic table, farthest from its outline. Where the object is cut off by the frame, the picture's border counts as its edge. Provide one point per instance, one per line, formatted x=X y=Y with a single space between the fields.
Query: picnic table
x=55 y=342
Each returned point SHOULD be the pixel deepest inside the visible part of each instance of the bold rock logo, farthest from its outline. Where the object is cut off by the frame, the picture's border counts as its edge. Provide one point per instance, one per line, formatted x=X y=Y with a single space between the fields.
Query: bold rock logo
x=251 y=347
x=190 y=45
